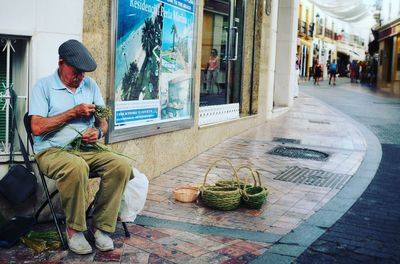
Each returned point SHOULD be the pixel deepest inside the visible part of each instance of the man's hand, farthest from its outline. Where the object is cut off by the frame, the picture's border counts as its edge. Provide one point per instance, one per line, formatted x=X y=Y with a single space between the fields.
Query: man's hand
x=90 y=135
x=84 y=110
x=41 y=125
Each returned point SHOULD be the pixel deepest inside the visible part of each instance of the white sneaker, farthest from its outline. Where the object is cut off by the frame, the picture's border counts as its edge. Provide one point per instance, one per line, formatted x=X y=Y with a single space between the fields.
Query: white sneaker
x=102 y=241
x=78 y=244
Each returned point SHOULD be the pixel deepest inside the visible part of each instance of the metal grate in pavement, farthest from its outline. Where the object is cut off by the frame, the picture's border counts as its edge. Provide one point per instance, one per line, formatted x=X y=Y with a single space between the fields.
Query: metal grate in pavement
x=299 y=153
x=319 y=122
x=286 y=140
x=318 y=178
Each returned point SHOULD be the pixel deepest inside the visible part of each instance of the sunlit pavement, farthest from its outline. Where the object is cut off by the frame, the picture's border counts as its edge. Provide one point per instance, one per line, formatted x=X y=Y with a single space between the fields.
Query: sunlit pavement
x=300 y=207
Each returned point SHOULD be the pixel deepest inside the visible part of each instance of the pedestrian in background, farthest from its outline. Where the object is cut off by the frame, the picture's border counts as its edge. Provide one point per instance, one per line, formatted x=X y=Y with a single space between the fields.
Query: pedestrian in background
x=212 y=73
x=296 y=77
x=354 y=69
x=332 y=72
x=317 y=72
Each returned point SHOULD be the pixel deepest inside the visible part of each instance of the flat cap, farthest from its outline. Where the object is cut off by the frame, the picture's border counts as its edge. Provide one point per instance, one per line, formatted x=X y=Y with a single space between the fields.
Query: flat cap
x=75 y=54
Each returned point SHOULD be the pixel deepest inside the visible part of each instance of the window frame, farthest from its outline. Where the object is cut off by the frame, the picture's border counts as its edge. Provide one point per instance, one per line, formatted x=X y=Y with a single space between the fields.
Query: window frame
x=18 y=79
x=123 y=134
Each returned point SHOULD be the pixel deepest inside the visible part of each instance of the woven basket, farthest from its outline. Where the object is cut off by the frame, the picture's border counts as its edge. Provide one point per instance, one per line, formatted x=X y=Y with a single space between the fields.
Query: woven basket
x=254 y=196
x=221 y=197
x=232 y=183
x=186 y=194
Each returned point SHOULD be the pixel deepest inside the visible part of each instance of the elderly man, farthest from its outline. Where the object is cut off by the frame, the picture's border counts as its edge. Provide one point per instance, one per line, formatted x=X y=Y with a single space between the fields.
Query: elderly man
x=62 y=108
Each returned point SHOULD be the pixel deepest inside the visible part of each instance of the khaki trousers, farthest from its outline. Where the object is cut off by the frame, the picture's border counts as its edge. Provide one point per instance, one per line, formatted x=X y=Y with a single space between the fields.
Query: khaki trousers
x=71 y=173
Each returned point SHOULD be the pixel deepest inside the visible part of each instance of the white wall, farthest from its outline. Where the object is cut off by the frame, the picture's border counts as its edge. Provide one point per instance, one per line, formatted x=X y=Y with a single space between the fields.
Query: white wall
x=286 y=52
x=47 y=23
x=390 y=11
x=268 y=51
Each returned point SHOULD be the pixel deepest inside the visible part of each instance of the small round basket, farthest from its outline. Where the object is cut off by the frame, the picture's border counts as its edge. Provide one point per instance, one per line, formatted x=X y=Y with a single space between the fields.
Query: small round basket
x=186 y=194
x=253 y=196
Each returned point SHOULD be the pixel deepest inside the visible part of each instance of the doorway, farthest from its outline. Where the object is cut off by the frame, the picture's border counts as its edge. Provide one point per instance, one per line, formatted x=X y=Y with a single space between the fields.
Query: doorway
x=304 y=61
x=221 y=59
x=343 y=61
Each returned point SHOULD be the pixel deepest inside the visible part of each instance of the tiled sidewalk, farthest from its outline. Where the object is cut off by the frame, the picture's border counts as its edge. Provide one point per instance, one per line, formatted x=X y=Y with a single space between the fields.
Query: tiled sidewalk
x=288 y=203
x=173 y=232
x=151 y=245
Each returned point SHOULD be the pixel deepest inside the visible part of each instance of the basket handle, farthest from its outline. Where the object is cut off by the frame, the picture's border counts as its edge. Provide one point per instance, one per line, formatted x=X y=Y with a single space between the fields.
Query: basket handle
x=214 y=164
x=251 y=172
x=257 y=181
x=259 y=177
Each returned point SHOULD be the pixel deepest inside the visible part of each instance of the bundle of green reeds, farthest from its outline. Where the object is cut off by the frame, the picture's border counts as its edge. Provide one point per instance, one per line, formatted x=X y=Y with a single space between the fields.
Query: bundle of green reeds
x=41 y=241
x=103 y=112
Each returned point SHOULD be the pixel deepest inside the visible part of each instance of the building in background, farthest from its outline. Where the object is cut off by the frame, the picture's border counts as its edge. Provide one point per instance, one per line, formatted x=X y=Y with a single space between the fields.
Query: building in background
x=388 y=79
x=324 y=36
x=305 y=33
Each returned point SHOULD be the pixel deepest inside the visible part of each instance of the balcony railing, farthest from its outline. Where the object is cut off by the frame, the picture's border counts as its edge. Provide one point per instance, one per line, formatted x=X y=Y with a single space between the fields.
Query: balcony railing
x=329 y=33
x=319 y=30
x=302 y=27
x=350 y=39
x=308 y=30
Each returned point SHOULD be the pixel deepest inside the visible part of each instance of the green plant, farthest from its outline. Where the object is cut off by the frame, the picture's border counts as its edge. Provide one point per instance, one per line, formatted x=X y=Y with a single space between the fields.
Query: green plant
x=40 y=241
x=103 y=112
x=76 y=145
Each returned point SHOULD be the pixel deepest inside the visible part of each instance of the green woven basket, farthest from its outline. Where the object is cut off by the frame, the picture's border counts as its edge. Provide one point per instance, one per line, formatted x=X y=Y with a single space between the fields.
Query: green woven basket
x=221 y=197
x=254 y=196
x=232 y=183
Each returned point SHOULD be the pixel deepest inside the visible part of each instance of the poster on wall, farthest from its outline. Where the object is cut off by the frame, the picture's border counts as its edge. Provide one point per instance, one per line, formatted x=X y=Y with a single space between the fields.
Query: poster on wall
x=153 y=61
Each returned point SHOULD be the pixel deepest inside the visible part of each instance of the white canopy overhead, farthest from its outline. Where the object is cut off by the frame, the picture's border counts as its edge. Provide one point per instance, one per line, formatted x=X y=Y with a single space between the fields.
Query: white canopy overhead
x=357 y=14
x=345 y=10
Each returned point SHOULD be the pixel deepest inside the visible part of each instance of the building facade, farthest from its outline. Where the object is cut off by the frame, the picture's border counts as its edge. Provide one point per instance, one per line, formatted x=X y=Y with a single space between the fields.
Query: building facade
x=324 y=38
x=388 y=77
x=154 y=68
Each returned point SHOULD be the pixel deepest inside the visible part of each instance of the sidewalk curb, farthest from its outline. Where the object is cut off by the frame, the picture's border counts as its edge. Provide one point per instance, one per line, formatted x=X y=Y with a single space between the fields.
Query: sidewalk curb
x=208 y=230
x=292 y=245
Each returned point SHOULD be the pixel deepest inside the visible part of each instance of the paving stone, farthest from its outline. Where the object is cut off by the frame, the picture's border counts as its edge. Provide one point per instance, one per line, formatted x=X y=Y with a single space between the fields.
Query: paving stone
x=232 y=251
x=273 y=258
x=248 y=246
x=304 y=235
x=324 y=218
x=210 y=258
x=287 y=250
x=155 y=259
x=134 y=255
x=109 y=256
x=189 y=249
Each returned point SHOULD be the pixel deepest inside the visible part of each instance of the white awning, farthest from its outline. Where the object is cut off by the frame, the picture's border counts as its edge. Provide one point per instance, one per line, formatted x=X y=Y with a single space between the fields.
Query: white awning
x=344 y=10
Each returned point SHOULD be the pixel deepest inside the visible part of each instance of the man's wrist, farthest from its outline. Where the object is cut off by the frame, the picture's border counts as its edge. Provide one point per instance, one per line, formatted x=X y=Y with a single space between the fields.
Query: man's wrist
x=100 y=132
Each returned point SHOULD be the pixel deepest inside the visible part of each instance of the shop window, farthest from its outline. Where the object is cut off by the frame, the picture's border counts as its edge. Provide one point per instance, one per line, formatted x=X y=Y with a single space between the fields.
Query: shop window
x=388 y=55
x=397 y=58
x=153 y=53
x=14 y=74
x=226 y=82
